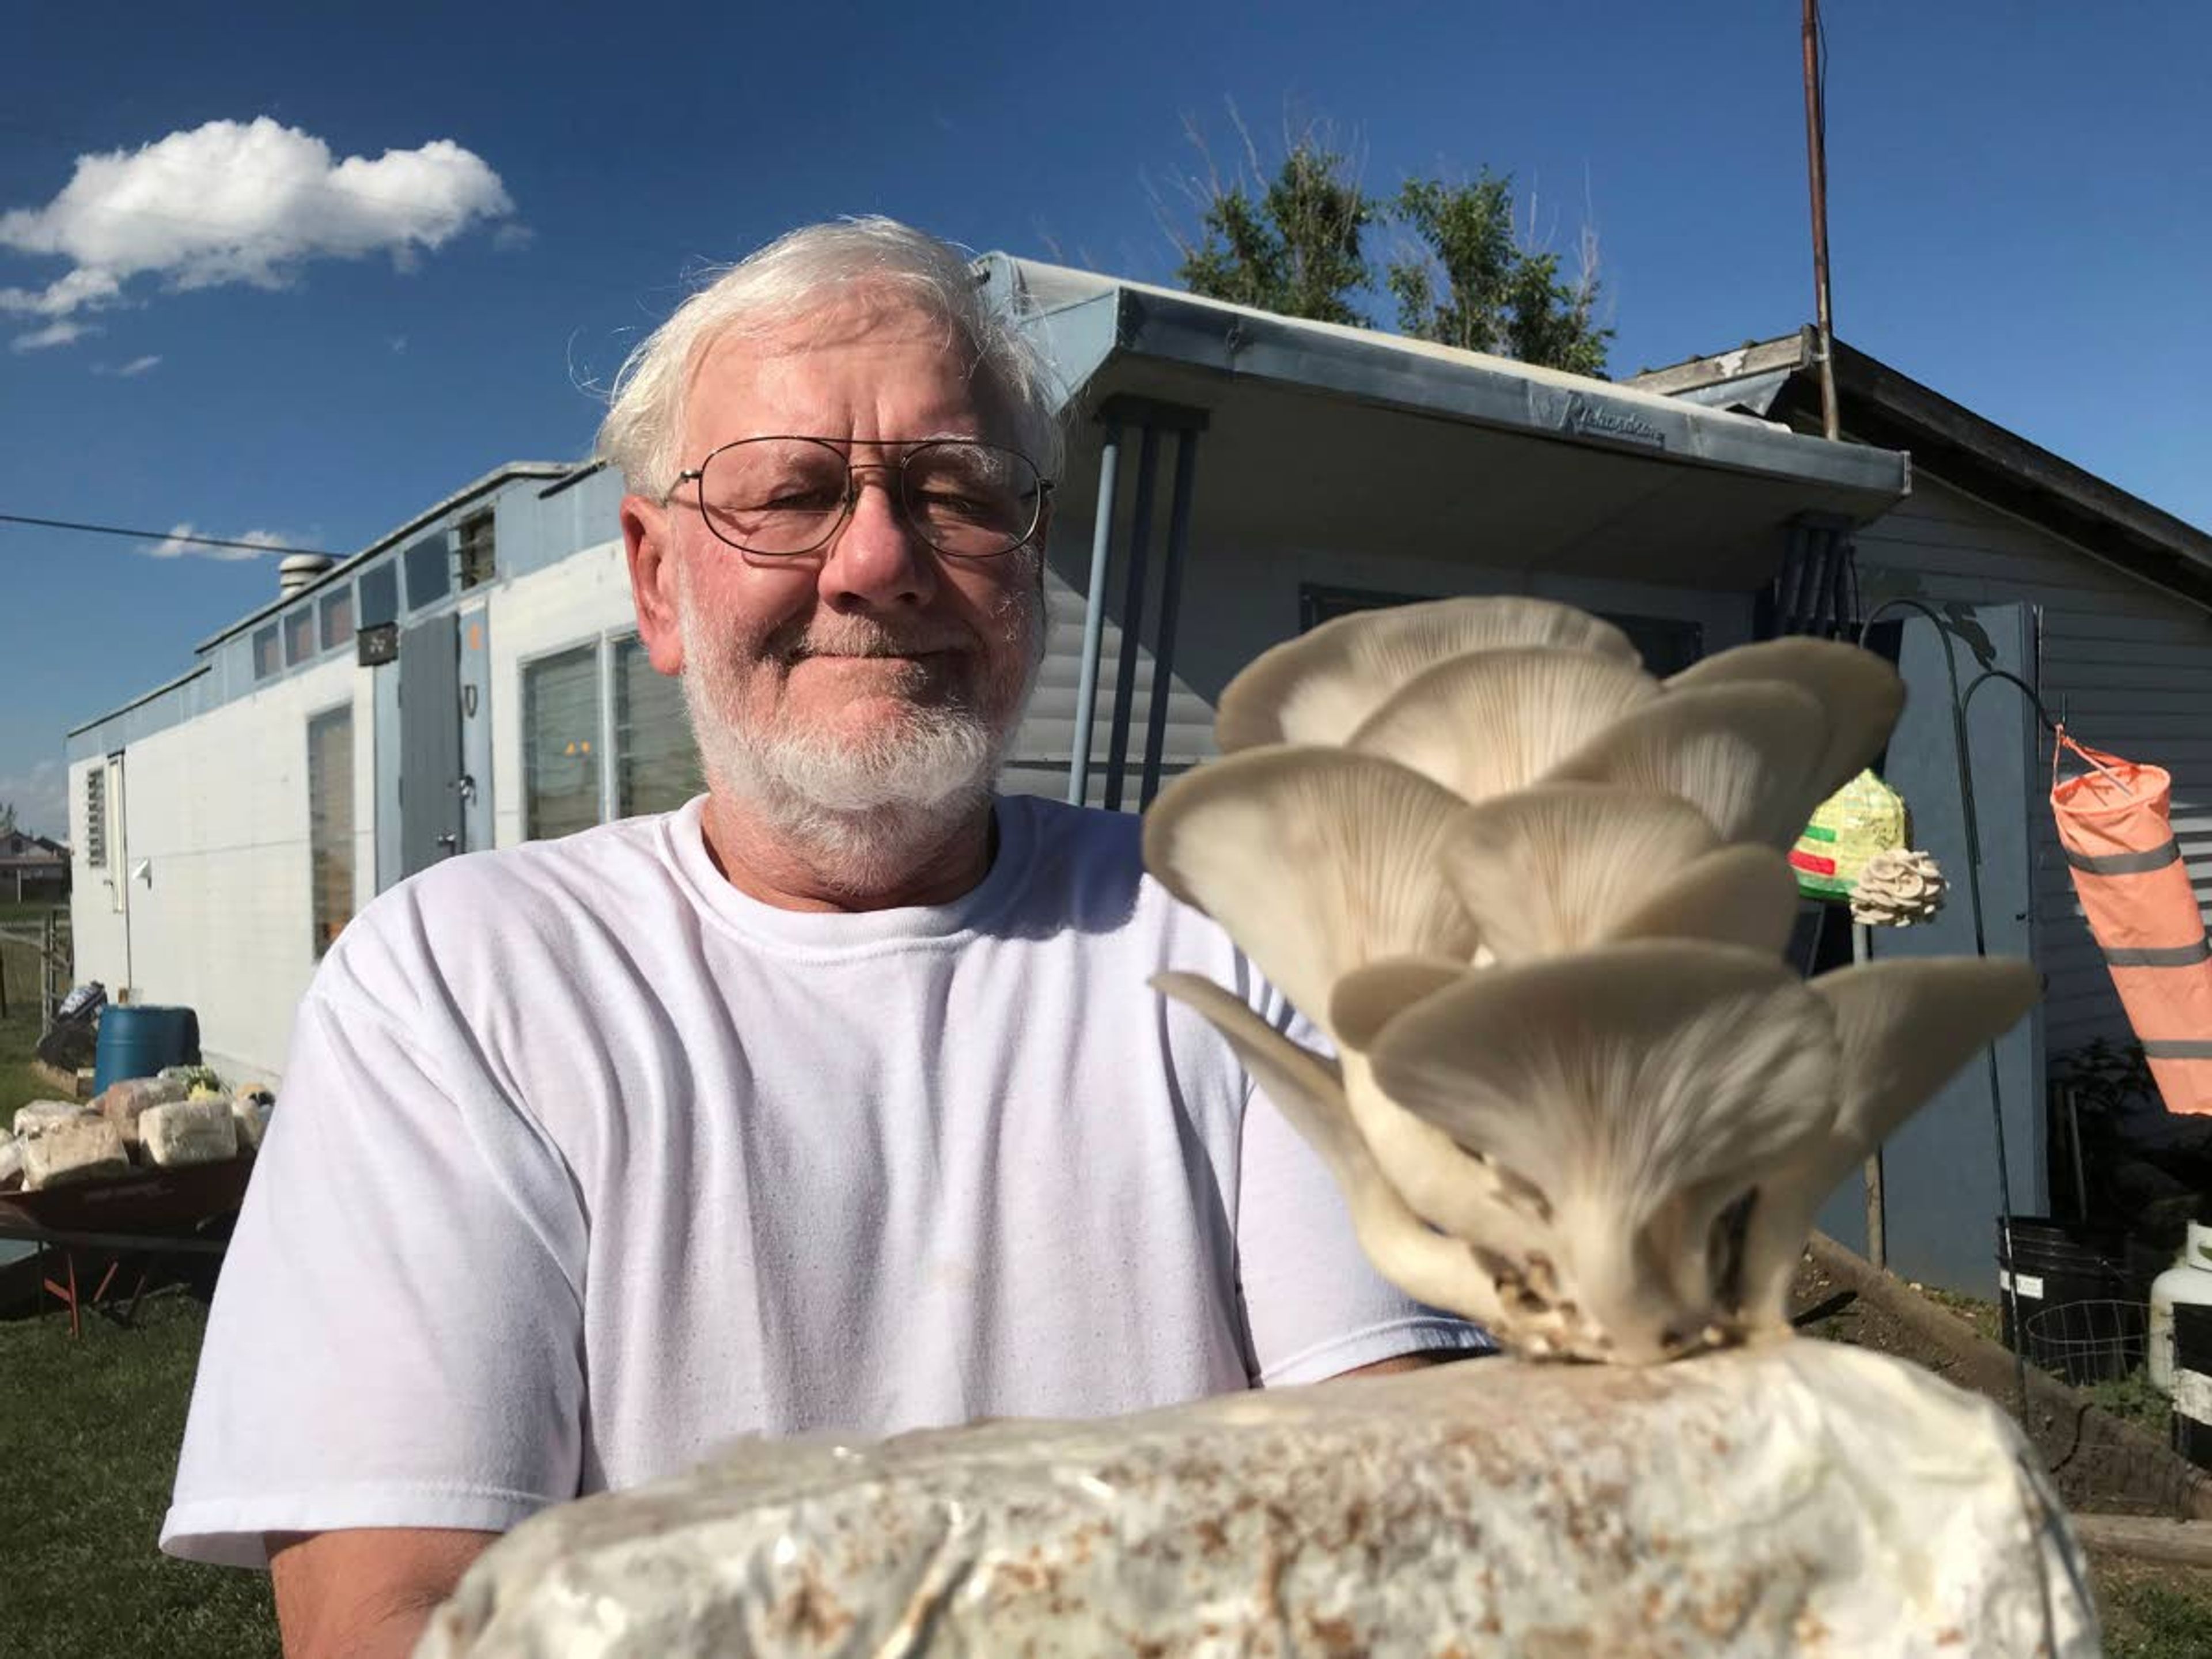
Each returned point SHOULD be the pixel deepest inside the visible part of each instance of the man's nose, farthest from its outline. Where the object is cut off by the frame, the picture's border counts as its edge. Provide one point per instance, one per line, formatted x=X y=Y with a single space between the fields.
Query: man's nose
x=877 y=560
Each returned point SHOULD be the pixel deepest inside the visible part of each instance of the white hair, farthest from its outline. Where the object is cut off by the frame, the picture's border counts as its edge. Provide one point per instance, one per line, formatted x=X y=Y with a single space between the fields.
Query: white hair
x=801 y=273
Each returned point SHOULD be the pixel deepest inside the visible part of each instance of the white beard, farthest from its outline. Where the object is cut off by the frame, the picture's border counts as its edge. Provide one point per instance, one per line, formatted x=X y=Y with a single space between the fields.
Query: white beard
x=864 y=809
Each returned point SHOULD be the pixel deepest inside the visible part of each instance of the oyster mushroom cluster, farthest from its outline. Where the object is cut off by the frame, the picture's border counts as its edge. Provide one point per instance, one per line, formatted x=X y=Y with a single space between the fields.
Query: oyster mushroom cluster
x=1536 y=901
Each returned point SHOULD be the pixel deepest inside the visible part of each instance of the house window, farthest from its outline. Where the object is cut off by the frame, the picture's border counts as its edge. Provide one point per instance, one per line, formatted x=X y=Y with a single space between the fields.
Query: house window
x=477 y=565
x=560 y=740
x=656 y=762
x=380 y=596
x=337 y=617
x=329 y=823
x=265 y=660
x=429 y=571
x=95 y=816
x=299 y=636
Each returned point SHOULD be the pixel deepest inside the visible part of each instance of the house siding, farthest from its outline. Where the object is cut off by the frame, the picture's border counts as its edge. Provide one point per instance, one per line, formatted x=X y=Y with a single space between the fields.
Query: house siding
x=213 y=863
x=2129 y=665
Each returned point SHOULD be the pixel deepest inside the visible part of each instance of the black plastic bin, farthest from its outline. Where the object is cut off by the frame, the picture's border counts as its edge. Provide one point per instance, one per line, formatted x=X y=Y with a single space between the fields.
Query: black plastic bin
x=2077 y=1308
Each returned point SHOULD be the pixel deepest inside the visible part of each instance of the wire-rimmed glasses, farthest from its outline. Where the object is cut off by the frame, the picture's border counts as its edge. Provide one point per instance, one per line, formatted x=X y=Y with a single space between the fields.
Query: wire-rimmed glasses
x=786 y=496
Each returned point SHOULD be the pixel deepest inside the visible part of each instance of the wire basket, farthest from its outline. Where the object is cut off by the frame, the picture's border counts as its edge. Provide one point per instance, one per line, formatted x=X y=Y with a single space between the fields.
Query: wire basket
x=2088 y=1342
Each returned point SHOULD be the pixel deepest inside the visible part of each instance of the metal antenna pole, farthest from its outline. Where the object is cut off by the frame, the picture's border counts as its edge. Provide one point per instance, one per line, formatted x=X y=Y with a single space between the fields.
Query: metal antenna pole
x=1816 y=157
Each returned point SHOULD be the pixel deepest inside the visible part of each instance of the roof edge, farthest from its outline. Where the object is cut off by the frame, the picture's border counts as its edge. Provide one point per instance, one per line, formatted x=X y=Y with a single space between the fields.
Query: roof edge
x=122 y=709
x=491 y=480
x=1885 y=406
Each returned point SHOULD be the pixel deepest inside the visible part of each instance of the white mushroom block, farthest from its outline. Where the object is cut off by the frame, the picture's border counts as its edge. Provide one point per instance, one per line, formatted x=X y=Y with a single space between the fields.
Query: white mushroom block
x=1795 y=1497
x=188 y=1132
x=86 y=1148
x=36 y=1117
x=124 y=1103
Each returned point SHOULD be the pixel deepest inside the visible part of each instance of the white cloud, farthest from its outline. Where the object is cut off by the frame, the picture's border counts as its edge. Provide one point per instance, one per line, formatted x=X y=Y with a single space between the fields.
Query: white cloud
x=131 y=370
x=174 y=546
x=40 y=798
x=54 y=334
x=242 y=202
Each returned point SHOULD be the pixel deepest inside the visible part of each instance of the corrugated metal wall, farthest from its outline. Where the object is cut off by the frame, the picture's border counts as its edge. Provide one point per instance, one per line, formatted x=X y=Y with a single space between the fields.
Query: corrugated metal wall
x=2132 y=666
x=1038 y=760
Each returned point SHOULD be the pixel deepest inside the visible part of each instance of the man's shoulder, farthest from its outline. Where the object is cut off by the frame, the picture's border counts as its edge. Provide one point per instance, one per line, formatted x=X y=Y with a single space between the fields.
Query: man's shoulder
x=1087 y=876
x=474 y=909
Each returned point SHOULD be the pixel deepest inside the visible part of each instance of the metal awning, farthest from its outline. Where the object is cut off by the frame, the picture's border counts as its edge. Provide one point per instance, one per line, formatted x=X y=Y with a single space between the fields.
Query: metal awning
x=1319 y=438
x=1321 y=432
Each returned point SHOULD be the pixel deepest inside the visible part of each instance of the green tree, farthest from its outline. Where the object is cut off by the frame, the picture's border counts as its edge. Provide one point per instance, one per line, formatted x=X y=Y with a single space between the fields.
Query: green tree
x=6 y=817
x=1469 y=281
x=1296 y=243
x=1293 y=247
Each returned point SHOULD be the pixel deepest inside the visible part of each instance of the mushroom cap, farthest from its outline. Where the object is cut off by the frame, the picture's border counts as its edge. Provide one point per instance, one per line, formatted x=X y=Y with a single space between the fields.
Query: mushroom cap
x=1316 y=860
x=1862 y=694
x=1642 y=1089
x=1563 y=867
x=1903 y=1029
x=1746 y=754
x=1494 y=720
x=1319 y=687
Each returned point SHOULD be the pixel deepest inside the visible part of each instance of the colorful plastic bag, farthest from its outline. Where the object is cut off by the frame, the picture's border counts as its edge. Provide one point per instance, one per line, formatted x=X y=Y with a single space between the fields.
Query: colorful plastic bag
x=1863 y=817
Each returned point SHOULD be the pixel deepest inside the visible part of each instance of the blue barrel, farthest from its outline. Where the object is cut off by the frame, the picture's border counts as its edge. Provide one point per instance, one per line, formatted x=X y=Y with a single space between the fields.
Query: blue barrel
x=138 y=1040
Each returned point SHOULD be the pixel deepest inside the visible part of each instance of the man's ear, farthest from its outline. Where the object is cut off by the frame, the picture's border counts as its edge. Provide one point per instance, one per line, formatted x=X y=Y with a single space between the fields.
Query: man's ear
x=653 y=581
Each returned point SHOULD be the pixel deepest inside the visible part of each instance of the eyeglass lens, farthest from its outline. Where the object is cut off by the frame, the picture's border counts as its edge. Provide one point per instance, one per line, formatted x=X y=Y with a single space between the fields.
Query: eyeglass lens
x=789 y=495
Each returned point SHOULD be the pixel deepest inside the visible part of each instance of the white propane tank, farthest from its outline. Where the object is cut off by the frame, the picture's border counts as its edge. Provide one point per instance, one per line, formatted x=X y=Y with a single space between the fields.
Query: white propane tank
x=2188 y=1283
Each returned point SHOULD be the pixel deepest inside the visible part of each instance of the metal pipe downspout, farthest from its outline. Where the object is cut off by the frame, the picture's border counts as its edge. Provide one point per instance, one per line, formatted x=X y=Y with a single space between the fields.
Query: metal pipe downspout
x=1964 y=747
x=1132 y=618
x=1155 y=716
x=1094 y=619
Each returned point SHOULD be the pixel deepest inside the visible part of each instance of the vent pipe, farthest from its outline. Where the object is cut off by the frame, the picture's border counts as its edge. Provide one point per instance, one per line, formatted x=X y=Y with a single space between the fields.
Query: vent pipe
x=299 y=570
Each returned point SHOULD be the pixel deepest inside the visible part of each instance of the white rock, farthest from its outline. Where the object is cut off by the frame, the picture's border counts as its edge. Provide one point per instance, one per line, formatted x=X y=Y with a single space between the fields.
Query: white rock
x=1799 y=1497
x=86 y=1148
x=189 y=1132
x=36 y=1117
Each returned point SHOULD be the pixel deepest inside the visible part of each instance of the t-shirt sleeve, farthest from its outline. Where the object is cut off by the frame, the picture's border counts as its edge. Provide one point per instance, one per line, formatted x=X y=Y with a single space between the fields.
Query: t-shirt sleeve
x=1313 y=1304
x=395 y=1337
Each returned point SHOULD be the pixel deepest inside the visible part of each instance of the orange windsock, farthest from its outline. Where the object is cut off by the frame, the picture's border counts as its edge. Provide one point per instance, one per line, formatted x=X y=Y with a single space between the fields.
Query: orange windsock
x=2127 y=868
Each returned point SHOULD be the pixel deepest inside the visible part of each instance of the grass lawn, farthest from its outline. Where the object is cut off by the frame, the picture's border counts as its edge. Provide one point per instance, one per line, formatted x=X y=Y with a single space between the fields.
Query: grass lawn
x=90 y=1445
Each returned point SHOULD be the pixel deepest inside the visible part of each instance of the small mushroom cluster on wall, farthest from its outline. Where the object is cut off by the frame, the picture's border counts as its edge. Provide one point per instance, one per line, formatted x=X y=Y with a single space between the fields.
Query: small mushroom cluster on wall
x=1537 y=902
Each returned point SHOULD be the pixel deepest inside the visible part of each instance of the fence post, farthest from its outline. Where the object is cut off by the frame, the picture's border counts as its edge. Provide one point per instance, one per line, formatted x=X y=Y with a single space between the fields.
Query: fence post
x=49 y=962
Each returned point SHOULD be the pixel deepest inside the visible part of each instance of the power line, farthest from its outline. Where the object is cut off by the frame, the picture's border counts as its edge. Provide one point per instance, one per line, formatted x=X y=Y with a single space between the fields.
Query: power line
x=159 y=536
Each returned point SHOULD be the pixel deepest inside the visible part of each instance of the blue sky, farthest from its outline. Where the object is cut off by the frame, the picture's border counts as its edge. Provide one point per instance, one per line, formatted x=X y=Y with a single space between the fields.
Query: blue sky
x=2021 y=218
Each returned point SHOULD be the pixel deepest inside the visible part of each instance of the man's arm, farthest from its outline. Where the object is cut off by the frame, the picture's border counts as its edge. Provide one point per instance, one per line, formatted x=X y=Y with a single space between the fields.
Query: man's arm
x=365 y=1593
x=1419 y=1360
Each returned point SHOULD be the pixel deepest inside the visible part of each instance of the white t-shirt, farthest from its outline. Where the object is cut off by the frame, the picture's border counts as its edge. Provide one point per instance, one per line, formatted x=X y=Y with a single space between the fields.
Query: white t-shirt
x=583 y=1164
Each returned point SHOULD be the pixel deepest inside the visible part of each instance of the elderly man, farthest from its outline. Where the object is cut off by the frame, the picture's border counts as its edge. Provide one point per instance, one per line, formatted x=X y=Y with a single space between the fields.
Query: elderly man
x=836 y=1100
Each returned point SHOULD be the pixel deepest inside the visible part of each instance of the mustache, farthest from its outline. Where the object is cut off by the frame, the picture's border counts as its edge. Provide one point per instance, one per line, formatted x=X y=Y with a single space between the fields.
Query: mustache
x=856 y=636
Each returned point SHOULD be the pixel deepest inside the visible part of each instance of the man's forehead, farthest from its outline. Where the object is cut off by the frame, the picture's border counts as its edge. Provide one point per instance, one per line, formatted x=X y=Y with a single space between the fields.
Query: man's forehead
x=809 y=359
